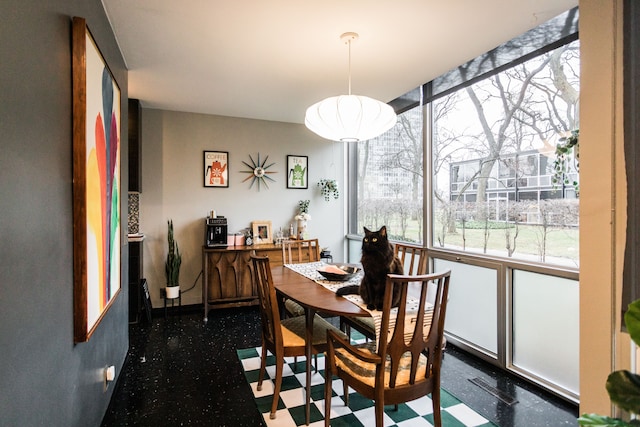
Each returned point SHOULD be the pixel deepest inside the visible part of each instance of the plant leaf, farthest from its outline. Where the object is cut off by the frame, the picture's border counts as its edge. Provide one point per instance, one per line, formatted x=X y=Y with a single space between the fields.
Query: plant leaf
x=632 y=320
x=587 y=420
x=624 y=390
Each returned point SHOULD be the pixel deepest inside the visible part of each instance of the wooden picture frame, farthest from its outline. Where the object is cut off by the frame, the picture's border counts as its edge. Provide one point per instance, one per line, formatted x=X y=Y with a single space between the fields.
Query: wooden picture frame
x=297 y=172
x=96 y=184
x=262 y=233
x=216 y=169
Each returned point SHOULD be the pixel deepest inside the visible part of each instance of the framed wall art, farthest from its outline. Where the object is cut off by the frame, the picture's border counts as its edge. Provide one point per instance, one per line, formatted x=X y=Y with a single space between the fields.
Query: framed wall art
x=96 y=183
x=216 y=169
x=297 y=172
x=261 y=232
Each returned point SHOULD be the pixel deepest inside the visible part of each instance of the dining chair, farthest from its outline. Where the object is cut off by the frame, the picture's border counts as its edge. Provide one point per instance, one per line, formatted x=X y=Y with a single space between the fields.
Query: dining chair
x=398 y=370
x=414 y=260
x=296 y=252
x=282 y=337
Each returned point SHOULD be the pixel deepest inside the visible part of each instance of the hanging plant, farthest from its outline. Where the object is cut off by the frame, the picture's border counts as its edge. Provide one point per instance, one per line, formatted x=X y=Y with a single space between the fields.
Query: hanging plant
x=328 y=188
x=570 y=144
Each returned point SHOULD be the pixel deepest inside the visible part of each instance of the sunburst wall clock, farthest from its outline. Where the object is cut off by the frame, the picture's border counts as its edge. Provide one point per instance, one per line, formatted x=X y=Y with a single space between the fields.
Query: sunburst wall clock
x=258 y=172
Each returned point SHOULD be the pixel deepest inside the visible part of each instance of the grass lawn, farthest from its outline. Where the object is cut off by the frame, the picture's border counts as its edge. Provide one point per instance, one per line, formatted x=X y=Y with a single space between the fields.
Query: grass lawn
x=562 y=244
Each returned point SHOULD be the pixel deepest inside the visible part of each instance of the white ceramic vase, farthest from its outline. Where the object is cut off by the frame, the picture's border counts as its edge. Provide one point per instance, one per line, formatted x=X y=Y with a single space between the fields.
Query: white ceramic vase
x=302 y=229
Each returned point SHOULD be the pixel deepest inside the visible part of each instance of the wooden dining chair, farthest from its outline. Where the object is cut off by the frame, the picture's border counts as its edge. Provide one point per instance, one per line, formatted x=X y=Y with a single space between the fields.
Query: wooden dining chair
x=282 y=337
x=296 y=252
x=399 y=370
x=414 y=260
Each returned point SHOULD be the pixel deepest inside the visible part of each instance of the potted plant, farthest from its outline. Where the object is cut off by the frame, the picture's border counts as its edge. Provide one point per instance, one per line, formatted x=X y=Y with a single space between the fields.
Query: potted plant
x=568 y=145
x=623 y=386
x=328 y=188
x=302 y=218
x=172 y=265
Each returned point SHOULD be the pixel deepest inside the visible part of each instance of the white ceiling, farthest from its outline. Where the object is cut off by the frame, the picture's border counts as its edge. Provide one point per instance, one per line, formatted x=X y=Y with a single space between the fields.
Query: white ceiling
x=270 y=60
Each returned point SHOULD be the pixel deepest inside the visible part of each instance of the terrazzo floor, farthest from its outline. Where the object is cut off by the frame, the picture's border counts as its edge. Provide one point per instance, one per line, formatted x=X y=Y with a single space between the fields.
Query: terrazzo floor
x=181 y=372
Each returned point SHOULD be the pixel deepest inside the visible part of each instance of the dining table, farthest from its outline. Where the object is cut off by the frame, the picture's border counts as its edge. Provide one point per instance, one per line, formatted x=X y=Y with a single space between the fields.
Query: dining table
x=314 y=298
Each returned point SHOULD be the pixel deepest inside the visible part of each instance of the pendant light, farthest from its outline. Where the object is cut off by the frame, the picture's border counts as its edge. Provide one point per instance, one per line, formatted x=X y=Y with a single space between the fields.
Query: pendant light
x=349 y=118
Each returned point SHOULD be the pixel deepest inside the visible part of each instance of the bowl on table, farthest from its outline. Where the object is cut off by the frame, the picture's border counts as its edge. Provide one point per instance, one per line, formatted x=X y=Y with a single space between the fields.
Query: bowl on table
x=338 y=272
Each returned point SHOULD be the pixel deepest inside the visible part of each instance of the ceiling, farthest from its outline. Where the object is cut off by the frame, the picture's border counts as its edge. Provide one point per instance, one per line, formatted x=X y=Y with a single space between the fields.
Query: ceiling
x=270 y=60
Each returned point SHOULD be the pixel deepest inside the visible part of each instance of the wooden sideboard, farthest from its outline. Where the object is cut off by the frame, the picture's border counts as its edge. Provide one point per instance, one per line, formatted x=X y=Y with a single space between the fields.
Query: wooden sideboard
x=227 y=275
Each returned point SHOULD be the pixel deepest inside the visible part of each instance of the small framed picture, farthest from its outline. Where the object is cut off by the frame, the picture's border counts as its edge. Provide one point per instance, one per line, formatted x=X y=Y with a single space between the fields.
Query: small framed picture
x=216 y=169
x=261 y=232
x=297 y=172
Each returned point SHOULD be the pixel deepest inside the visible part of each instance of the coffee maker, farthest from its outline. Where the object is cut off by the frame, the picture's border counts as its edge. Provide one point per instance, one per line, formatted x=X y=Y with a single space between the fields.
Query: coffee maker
x=215 y=232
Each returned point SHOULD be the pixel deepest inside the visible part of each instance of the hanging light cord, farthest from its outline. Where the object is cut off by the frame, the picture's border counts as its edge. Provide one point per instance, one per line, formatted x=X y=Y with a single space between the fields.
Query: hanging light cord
x=348 y=38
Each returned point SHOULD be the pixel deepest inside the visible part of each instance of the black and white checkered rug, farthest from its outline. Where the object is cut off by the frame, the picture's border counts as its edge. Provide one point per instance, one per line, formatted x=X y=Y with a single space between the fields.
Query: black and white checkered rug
x=360 y=411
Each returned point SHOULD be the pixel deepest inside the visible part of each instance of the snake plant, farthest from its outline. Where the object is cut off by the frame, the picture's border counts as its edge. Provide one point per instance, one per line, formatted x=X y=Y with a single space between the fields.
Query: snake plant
x=174 y=259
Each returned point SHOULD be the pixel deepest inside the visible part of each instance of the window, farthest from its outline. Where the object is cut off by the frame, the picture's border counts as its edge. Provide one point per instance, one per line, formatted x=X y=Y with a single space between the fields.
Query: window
x=390 y=180
x=494 y=216
x=493 y=147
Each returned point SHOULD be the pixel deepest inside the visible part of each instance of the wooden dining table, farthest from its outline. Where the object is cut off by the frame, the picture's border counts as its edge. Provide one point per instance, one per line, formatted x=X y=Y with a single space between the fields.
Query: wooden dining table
x=315 y=298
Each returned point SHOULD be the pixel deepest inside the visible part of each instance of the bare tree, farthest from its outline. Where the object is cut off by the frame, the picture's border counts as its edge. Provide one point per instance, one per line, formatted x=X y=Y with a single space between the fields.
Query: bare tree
x=445 y=213
x=514 y=217
x=511 y=101
x=554 y=215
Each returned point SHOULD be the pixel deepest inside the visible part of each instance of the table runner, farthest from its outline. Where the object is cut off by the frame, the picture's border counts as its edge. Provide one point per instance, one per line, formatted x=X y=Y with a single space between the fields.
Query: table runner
x=310 y=270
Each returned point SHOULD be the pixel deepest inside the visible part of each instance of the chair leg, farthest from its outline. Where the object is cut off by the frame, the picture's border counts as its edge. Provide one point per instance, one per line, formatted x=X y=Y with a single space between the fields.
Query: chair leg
x=328 y=376
x=435 y=399
x=277 y=386
x=263 y=366
x=345 y=391
x=379 y=413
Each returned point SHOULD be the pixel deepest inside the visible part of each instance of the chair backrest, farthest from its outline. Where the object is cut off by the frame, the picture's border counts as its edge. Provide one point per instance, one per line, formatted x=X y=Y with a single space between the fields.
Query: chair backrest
x=414 y=258
x=269 y=311
x=427 y=341
x=297 y=251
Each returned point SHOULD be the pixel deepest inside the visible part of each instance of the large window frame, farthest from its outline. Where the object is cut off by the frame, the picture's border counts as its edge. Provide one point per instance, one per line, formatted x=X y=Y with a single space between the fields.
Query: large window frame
x=559 y=31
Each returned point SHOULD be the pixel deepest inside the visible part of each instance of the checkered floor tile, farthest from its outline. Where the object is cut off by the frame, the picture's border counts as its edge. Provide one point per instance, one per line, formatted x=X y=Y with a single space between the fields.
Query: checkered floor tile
x=360 y=411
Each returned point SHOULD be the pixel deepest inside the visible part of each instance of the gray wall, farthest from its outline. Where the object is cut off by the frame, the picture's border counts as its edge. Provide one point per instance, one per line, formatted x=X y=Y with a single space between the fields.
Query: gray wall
x=172 y=186
x=44 y=378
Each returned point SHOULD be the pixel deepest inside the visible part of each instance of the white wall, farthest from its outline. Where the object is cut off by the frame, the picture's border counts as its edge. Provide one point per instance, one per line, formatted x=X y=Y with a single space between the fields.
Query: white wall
x=172 y=186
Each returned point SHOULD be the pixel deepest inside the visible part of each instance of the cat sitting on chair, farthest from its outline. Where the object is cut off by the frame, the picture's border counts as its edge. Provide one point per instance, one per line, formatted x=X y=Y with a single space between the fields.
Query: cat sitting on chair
x=377 y=261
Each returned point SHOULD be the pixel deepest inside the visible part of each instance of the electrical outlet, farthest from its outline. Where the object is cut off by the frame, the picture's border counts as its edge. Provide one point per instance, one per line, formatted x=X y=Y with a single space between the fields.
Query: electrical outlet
x=108 y=375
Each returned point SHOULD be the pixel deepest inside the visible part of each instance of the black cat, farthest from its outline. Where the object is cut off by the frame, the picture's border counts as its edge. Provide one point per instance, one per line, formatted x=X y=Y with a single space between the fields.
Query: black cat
x=377 y=261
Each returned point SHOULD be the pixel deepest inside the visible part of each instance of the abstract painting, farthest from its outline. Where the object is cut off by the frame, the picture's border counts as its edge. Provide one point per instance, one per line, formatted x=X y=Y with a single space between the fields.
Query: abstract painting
x=96 y=183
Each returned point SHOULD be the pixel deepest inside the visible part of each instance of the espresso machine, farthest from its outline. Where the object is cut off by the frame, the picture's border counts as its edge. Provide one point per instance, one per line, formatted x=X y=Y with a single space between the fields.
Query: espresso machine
x=215 y=232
